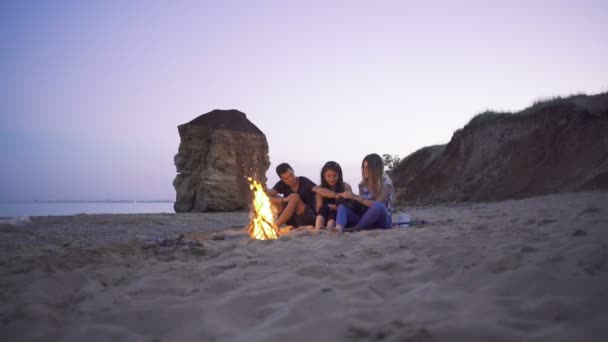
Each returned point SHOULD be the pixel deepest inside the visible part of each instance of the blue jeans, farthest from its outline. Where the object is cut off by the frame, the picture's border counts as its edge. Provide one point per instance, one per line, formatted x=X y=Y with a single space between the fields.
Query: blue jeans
x=374 y=217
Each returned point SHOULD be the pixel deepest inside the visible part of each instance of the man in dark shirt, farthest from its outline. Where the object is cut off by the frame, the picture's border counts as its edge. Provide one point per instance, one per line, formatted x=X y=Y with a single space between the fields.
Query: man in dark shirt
x=296 y=205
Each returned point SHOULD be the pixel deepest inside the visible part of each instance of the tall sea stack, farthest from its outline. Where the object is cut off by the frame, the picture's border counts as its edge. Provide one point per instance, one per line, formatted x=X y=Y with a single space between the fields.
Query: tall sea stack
x=217 y=152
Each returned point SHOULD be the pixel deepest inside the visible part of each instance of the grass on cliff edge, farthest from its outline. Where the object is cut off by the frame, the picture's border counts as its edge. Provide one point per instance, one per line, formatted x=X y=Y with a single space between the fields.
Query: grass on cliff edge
x=593 y=104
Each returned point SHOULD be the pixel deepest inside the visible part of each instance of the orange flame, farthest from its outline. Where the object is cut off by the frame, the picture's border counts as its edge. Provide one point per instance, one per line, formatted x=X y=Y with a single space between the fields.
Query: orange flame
x=262 y=226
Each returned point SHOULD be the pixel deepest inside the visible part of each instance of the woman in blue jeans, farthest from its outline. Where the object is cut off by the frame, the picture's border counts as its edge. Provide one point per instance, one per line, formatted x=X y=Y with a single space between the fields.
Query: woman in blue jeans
x=375 y=194
x=332 y=183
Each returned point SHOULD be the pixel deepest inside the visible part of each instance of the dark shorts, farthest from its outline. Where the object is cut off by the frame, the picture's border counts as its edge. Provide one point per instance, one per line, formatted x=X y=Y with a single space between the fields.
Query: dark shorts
x=327 y=213
x=307 y=218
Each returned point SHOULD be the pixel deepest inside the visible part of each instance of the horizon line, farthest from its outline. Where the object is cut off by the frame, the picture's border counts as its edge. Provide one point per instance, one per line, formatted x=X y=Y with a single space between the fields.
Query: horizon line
x=90 y=201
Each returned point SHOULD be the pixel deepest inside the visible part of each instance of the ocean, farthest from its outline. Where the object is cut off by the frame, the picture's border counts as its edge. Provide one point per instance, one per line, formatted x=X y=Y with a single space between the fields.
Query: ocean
x=58 y=208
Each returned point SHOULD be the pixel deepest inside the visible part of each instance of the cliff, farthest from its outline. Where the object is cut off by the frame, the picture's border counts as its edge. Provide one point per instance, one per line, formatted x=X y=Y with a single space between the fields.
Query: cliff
x=559 y=145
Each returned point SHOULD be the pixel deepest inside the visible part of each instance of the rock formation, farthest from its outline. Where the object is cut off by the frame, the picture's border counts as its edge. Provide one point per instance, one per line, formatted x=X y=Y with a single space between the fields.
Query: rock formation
x=217 y=152
x=559 y=145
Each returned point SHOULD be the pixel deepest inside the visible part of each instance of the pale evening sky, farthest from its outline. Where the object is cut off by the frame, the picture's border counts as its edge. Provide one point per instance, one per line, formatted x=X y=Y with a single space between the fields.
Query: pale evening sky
x=93 y=91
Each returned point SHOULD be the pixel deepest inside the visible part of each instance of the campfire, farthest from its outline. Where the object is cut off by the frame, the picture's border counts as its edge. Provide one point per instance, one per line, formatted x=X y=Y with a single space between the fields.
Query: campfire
x=262 y=225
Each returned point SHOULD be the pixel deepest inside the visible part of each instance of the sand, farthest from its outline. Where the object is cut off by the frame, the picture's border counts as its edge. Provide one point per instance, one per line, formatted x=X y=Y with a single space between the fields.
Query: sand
x=521 y=270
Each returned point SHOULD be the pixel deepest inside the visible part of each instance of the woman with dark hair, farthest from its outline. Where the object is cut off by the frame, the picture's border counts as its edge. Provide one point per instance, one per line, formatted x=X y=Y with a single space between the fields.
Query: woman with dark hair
x=332 y=184
x=375 y=192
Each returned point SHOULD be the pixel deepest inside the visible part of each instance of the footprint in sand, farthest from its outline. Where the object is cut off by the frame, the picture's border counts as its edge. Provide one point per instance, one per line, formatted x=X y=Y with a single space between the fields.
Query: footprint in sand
x=545 y=221
x=595 y=260
x=505 y=264
x=589 y=210
x=394 y=331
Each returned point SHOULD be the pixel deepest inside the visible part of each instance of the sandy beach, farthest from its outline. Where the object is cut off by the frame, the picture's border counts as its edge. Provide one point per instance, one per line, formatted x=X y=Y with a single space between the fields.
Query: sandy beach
x=519 y=270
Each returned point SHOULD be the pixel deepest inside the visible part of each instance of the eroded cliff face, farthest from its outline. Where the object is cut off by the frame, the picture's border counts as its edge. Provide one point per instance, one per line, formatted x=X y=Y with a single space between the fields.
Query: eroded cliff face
x=217 y=152
x=557 y=146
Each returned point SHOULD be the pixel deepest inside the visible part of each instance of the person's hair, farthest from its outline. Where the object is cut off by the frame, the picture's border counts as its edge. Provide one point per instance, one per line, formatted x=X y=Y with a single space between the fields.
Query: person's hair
x=375 y=167
x=282 y=168
x=332 y=165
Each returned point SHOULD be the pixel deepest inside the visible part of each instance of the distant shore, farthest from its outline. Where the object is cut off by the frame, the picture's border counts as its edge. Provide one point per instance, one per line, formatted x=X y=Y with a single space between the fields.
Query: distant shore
x=65 y=207
x=87 y=201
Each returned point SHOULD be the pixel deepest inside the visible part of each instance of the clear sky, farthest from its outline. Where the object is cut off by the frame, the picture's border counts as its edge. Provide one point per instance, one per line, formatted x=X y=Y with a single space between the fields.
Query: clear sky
x=93 y=91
